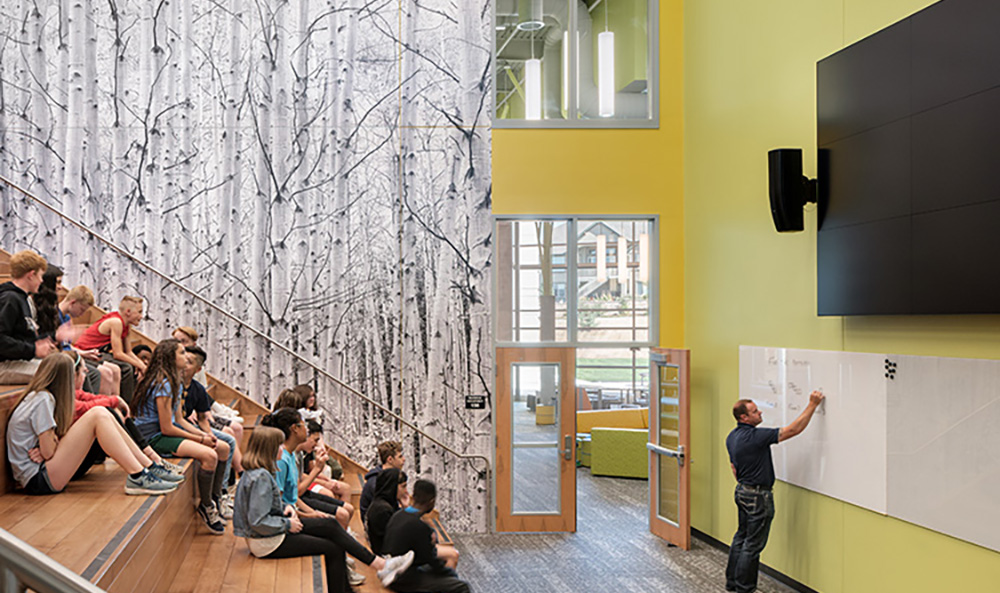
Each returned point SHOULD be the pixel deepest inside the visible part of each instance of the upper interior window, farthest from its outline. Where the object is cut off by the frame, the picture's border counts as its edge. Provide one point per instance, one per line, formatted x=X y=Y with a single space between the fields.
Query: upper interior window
x=589 y=63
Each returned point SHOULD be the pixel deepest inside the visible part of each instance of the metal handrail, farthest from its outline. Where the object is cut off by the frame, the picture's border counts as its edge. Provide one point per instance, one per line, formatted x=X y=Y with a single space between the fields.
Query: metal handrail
x=21 y=564
x=231 y=317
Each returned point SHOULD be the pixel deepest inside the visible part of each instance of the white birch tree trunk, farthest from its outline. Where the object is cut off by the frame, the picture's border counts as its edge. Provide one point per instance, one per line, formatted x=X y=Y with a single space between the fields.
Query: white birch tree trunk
x=75 y=126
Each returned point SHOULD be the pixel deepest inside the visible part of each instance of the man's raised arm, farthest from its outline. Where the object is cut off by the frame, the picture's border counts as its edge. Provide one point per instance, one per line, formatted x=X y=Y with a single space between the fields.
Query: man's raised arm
x=800 y=423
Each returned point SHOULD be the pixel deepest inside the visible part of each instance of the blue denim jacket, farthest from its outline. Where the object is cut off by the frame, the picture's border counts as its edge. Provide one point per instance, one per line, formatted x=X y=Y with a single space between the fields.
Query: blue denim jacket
x=257 y=510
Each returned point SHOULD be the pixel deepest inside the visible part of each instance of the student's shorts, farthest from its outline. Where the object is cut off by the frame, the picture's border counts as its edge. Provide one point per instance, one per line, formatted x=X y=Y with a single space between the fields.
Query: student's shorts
x=39 y=483
x=165 y=445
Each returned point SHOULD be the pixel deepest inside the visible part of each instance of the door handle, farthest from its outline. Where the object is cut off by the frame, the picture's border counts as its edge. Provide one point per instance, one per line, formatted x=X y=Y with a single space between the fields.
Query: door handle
x=568 y=447
x=678 y=454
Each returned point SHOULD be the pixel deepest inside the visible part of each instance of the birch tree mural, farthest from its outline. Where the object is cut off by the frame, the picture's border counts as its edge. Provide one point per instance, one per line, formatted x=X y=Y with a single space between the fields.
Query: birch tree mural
x=318 y=168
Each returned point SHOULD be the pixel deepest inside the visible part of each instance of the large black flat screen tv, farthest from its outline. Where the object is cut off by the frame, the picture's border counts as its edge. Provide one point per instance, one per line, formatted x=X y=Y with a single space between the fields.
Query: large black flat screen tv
x=909 y=166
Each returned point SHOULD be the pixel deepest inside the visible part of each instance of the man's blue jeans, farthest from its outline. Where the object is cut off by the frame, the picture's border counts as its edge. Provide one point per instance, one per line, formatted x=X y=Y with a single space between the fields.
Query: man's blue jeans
x=756 y=510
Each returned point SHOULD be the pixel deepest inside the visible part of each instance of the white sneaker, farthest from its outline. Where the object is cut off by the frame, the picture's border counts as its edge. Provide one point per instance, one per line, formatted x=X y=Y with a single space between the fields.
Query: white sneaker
x=354 y=577
x=225 y=507
x=394 y=566
x=225 y=411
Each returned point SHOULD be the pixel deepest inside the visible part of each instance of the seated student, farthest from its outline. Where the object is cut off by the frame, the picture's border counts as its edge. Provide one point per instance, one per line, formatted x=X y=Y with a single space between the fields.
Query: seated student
x=143 y=353
x=53 y=315
x=385 y=503
x=390 y=453
x=46 y=447
x=198 y=403
x=290 y=424
x=310 y=406
x=407 y=532
x=84 y=401
x=156 y=398
x=289 y=398
x=21 y=348
x=110 y=335
x=275 y=530
x=309 y=489
x=312 y=466
x=189 y=337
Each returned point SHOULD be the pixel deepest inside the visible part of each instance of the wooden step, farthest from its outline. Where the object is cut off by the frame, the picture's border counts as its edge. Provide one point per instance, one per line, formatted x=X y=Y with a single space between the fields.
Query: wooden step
x=114 y=540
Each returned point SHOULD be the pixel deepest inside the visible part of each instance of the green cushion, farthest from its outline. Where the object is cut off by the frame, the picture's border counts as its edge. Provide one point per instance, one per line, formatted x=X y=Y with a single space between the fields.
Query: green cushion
x=583 y=450
x=619 y=452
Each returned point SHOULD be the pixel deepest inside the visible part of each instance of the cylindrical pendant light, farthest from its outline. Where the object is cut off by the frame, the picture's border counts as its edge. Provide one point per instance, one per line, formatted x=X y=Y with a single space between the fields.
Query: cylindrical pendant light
x=602 y=258
x=565 y=73
x=606 y=73
x=530 y=15
x=533 y=89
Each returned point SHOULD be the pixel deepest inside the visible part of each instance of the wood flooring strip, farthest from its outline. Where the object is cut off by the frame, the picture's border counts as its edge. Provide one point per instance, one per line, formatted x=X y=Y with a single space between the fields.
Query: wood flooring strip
x=119 y=537
x=195 y=561
x=264 y=575
x=238 y=570
x=220 y=550
x=290 y=574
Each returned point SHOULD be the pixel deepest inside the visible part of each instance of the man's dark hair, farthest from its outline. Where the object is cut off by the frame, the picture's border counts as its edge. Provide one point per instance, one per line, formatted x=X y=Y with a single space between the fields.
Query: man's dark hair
x=740 y=408
x=141 y=348
x=424 y=492
x=199 y=353
x=313 y=427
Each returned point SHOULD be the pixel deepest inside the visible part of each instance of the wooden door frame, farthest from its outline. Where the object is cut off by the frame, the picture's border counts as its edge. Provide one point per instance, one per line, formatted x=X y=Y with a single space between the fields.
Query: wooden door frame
x=565 y=521
x=679 y=535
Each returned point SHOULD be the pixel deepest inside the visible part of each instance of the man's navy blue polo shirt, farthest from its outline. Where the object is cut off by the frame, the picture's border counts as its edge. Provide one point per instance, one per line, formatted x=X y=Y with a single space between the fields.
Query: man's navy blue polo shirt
x=750 y=451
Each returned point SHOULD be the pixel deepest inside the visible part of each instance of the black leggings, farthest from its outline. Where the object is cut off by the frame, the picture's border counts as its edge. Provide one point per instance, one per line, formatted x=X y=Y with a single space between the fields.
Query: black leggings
x=326 y=537
x=321 y=502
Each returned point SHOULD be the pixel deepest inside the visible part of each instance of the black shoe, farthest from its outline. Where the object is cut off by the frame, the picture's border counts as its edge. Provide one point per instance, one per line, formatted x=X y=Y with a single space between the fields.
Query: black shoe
x=211 y=518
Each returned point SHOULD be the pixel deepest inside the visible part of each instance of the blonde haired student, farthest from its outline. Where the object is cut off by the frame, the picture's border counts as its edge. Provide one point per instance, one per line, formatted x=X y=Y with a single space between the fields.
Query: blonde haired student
x=45 y=446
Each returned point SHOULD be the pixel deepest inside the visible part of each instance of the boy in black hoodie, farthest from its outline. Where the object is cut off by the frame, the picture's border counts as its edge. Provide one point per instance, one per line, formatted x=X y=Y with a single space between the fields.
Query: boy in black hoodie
x=21 y=350
x=406 y=532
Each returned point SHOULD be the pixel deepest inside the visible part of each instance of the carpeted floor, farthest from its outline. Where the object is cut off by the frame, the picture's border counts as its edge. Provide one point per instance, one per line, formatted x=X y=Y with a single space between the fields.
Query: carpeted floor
x=612 y=551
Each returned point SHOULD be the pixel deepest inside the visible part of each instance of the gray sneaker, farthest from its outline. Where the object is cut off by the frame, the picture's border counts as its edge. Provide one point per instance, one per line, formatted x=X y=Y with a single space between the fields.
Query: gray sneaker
x=173 y=468
x=147 y=483
x=164 y=474
x=395 y=566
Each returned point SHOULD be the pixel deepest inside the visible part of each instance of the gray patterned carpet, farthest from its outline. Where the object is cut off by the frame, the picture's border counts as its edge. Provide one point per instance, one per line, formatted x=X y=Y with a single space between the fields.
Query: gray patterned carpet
x=611 y=551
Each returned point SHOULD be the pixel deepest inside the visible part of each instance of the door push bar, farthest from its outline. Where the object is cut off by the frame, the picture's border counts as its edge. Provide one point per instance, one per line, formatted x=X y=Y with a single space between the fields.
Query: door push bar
x=678 y=454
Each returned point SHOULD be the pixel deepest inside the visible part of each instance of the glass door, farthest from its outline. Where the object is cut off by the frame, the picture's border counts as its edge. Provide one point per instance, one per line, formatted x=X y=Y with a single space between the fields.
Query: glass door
x=536 y=430
x=669 y=515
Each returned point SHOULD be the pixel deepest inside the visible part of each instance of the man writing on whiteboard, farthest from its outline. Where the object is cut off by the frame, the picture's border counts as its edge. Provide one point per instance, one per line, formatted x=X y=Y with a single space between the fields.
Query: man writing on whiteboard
x=750 y=457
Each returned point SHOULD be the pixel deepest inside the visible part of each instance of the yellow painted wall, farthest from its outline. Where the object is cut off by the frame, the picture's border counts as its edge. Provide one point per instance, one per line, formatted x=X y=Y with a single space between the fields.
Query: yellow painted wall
x=749 y=87
x=610 y=172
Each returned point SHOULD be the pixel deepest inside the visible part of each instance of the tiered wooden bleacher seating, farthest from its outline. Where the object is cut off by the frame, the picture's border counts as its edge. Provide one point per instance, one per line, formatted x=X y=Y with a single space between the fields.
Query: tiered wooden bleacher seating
x=158 y=544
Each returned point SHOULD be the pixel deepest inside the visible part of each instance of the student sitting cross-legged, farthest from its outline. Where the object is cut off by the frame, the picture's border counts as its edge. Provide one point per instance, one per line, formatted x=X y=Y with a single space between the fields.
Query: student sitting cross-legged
x=407 y=532
x=274 y=529
x=46 y=447
x=156 y=403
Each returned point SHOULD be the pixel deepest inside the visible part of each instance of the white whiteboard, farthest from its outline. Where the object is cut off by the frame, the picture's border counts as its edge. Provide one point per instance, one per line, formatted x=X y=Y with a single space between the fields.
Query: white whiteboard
x=915 y=437
x=944 y=446
x=842 y=453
